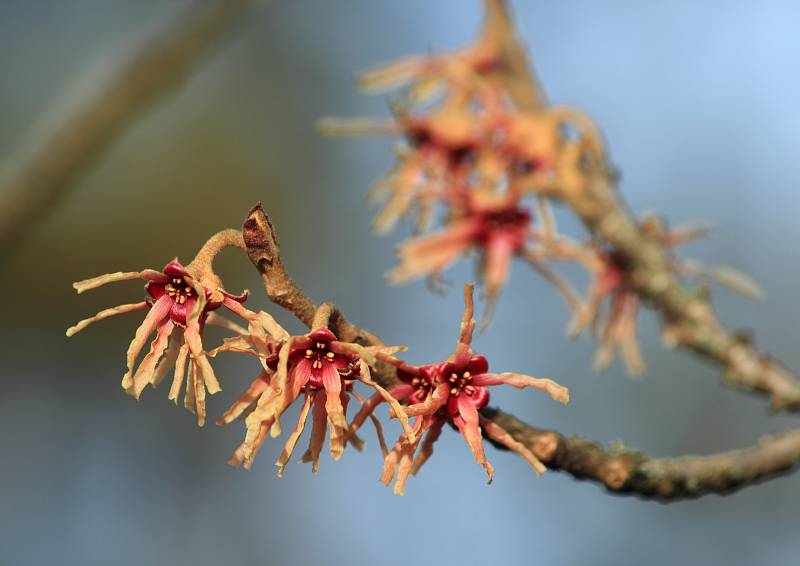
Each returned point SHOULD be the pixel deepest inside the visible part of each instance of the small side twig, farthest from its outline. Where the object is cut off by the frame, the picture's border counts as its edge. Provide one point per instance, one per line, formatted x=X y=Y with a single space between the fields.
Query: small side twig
x=262 y=248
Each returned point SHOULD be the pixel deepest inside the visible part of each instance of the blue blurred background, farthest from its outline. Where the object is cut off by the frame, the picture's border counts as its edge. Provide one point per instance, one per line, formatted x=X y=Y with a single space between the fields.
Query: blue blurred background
x=699 y=104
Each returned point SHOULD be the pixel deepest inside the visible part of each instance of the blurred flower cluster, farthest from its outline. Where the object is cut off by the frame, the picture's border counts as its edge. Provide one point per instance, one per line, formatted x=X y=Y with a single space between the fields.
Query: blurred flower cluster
x=478 y=173
x=317 y=370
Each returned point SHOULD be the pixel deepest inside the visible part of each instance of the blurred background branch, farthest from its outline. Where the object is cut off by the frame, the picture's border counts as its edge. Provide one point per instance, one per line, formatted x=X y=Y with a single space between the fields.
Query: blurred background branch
x=59 y=150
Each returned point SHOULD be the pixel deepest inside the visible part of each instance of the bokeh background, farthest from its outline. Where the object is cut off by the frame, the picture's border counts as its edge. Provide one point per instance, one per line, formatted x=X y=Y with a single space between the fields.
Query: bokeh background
x=699 y=103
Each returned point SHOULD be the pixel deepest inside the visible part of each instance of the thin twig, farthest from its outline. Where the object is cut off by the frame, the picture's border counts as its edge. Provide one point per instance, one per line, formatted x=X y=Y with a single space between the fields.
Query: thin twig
x=48 y=164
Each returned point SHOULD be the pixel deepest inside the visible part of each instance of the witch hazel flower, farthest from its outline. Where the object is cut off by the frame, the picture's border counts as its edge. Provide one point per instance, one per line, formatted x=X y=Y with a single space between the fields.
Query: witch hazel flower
x=321 y=370
x=444 y=150
x=498 y=229
x=612 y=305
x=179 y=302
x=452 y=392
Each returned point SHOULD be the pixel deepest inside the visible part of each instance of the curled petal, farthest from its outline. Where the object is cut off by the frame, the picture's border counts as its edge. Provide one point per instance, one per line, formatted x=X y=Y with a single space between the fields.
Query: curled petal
x=180 y=370
x=375 y=422
x=687 y=233
x=258 y=424
x=500 y=435
x=206 y=372
x=425 y=452
x=393 y=74
x=333 y=407
x=300 y=374
x=271 y=326
x=468 y=425
x=103 y=314
x=169 y=359
x=401 y=455
x=157 y=313
x=317 y=432
x=432 y=254
x=435 y=401
x=725 y=276
x=397 y=410
x=189 y=401
x=199 y=394
x=257 y=387
x=291 y=442
x=520 y=381
x=216 y=319
x=246 y=453
x=100 y=280
x=367 y=409
x=406 y=462
x=146 y=372
x=237 y=344
x=497 y=262
x=356 y=127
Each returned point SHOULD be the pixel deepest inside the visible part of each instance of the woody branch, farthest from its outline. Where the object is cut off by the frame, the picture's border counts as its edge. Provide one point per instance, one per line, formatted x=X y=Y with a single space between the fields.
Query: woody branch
x=619 y=469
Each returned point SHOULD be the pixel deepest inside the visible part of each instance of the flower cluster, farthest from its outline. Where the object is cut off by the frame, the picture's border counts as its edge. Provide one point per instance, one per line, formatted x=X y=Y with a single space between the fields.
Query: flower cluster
x=315 y=367
x=474 y=156
x=613 y=303
x=452 y=391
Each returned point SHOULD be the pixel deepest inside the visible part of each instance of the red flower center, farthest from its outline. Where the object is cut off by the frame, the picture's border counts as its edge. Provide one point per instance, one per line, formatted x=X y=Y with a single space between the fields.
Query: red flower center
x=422 y=380
x=459 y=380
x=179 y=290
x=511 y=224
x=318 y=354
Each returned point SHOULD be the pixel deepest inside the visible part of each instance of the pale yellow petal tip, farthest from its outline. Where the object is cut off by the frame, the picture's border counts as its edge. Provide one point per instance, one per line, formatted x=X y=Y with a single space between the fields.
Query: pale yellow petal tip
x=79 y=286
x=72 y=331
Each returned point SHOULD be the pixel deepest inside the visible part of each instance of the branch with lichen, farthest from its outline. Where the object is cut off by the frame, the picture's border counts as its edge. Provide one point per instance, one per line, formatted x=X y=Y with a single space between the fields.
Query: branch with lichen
x=39 y=174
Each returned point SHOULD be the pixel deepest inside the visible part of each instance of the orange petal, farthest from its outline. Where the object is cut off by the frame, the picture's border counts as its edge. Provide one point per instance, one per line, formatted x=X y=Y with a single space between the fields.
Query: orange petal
x=205 y=371
x=291 y=442
x=468 y=425
x=169 y=359
x=318 y=428
x=520 y=381
x=257 y=387
x=101 y=280
x=157 y=313
x=146 y=371
x=501 y=436
x=426 y=451
x=103 y=314
x=180 y=370
x=333 y=407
